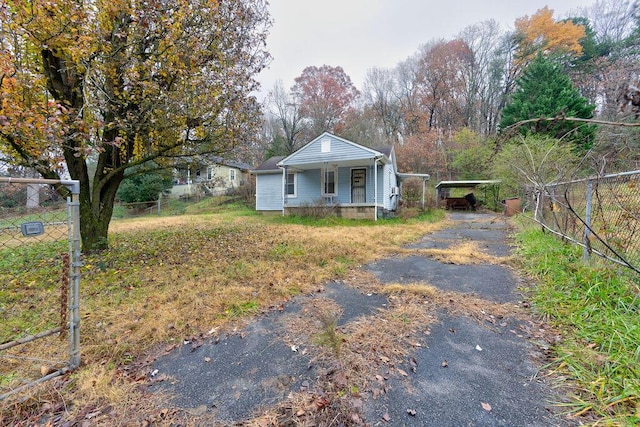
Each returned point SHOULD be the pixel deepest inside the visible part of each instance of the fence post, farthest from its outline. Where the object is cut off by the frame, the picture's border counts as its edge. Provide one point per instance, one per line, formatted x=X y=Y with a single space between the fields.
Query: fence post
x=74 y=246
x=587 y=220
x=537 y=194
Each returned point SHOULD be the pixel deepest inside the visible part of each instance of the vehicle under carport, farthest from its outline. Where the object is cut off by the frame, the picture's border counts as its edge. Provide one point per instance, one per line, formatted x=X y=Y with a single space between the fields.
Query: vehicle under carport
x=470 y=201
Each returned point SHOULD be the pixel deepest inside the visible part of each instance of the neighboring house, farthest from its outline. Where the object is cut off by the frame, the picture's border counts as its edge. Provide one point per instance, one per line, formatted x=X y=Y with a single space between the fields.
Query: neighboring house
x=357 y=181
x=214 y=177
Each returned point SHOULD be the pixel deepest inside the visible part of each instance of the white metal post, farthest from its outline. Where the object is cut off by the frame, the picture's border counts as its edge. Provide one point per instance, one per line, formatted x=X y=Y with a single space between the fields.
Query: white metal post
x=284 y=189
x=76 y=263
x=375 y=189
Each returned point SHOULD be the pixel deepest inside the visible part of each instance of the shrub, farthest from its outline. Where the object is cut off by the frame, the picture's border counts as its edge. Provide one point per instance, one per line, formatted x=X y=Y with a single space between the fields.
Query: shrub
x=144 y=187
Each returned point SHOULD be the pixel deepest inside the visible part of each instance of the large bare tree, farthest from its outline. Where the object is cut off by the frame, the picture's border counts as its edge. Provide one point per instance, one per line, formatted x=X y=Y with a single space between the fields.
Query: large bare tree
x=288 y=117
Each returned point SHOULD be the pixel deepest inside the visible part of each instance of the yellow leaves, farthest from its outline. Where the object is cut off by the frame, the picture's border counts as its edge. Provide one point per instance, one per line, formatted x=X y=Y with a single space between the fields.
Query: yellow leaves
x=50 y=24
x=154 y=137
x=540 y=33
x=138 y=148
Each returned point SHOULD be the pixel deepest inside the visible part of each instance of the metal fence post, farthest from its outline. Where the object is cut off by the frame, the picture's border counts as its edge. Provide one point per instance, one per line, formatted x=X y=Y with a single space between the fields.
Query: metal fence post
x=74 y=302
x=587 y=221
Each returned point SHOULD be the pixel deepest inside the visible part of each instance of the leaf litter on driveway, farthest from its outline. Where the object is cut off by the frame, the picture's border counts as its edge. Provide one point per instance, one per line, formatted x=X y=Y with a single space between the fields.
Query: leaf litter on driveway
x=380 y=362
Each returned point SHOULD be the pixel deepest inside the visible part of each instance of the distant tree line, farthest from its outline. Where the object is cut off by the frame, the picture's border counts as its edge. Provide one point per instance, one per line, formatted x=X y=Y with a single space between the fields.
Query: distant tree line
x=447 y=107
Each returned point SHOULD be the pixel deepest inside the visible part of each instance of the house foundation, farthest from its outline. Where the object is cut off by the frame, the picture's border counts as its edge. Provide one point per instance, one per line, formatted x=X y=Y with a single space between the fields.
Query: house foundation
x=349 y=212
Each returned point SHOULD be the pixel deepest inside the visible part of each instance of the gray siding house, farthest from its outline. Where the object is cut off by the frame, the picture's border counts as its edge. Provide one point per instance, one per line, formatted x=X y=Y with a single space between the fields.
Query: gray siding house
x=357 y=181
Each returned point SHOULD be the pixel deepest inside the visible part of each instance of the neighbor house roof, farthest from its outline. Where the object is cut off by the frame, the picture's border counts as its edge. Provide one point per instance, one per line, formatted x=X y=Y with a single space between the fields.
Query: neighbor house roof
x=231 y=163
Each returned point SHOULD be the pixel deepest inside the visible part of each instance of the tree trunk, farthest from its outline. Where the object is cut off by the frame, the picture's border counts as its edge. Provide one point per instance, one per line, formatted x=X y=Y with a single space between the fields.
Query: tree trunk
x=93 y=231
x=96 y=199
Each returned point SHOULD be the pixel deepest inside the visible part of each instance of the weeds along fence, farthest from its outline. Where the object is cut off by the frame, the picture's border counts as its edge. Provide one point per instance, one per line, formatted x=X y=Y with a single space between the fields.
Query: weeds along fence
x=40 y=279
x=601 y=214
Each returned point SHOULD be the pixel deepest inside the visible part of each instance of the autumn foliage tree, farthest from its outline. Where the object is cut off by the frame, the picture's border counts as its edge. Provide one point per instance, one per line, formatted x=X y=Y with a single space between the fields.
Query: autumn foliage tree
x=325 y=95
x=440 y=84
x=125 y=84
x=422 y=154
x=535 y=35
x=541 y=34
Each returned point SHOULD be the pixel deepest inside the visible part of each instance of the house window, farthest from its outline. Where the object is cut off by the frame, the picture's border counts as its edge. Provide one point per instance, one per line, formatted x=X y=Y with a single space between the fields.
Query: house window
x=329 y=181
x=291 y=184
x=210 y=173
x=232 y=175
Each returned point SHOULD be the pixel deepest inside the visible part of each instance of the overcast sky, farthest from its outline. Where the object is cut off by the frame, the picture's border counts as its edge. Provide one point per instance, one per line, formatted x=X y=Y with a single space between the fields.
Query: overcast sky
x=361 y=34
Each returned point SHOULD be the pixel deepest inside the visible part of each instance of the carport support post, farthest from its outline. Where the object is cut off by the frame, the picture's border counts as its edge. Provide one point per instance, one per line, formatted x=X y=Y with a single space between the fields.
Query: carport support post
x=424 y=189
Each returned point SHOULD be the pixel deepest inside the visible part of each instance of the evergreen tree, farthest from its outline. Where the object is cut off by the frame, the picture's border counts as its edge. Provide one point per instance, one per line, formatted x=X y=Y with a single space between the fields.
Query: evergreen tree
x=544 y=91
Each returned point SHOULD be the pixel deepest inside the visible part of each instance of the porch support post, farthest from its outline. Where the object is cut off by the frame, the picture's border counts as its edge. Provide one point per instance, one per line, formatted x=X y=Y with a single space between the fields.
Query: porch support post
x=375 y=189
x=284 y=188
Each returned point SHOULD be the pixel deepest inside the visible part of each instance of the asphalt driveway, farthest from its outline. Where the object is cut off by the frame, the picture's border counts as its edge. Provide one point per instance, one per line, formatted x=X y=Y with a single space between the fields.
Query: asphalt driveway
x=469 y=371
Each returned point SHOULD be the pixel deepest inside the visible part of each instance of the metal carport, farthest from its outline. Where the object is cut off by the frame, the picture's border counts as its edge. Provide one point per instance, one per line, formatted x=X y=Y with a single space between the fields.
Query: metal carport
x=442 y=185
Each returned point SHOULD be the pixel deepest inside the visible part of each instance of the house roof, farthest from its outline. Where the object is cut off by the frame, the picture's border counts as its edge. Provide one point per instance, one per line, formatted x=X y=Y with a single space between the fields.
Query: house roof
x=311 y=156
x=386 y=150
x=269 y=166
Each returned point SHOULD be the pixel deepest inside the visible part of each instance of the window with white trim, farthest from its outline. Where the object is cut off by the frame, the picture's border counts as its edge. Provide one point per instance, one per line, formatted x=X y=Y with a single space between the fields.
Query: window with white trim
x=290 y=186
x=232 y=175
x=329 y=181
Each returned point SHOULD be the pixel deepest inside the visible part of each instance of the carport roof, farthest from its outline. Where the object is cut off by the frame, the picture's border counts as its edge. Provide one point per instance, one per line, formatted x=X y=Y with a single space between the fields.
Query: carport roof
x=465 y=184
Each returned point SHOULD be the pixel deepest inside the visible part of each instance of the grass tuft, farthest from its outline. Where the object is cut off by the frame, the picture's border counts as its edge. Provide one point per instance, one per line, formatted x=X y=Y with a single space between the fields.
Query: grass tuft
x=597 y=307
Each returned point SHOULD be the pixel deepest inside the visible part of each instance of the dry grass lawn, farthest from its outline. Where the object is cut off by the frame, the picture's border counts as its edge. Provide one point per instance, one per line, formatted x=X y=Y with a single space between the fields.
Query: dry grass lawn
x=166 y=279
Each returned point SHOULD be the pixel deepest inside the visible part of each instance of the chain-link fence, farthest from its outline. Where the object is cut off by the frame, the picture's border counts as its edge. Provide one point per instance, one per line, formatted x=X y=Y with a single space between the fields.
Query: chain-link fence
x=39 y=282
x=602 y=214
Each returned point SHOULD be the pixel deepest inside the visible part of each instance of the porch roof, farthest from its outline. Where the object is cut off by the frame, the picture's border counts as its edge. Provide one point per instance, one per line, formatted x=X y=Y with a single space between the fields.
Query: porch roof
x=405 y=176
x=362 y=162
